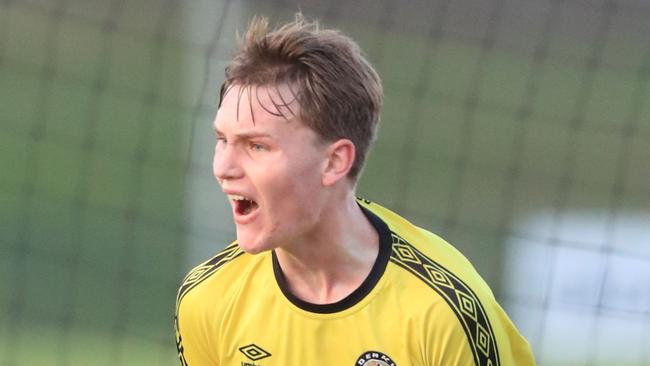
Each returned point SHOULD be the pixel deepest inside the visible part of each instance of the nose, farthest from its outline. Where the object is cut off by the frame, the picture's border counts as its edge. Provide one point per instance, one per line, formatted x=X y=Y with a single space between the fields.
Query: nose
x=225 y=164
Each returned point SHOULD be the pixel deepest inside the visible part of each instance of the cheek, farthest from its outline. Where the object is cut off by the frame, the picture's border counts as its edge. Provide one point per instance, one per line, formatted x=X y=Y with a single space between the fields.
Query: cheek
x=215 y=161
x=306 y=176
x=306 y=188
x=288 y=179
x=291 y=188
x=214 y=168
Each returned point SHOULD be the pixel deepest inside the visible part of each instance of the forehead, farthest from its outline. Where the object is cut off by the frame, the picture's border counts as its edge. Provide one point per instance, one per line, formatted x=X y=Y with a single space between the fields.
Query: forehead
x=257 y=106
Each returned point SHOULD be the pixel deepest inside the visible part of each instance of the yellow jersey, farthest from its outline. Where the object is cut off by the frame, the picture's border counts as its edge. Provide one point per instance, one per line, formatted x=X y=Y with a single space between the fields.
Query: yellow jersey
x=423 y=304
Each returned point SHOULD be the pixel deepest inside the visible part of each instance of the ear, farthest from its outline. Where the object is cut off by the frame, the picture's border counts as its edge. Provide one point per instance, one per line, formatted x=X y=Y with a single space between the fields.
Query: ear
x=340 y=157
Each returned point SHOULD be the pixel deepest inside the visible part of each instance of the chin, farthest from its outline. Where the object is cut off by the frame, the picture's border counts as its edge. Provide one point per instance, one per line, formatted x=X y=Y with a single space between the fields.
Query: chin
x=251 y=245
x=251 y=249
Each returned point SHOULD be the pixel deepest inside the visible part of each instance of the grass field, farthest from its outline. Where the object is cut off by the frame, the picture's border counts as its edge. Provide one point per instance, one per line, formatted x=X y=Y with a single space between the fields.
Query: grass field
x=42 y=345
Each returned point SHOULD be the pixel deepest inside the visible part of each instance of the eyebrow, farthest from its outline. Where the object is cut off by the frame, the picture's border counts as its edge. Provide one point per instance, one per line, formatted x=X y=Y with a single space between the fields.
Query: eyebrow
x=247 y=135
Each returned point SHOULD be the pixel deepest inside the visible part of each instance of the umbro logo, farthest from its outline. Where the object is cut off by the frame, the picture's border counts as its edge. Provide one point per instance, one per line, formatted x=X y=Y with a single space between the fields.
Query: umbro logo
x=254 y=353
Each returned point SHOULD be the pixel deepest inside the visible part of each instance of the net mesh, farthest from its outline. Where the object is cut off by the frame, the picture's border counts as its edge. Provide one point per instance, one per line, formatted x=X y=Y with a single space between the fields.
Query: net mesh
x=517 y=130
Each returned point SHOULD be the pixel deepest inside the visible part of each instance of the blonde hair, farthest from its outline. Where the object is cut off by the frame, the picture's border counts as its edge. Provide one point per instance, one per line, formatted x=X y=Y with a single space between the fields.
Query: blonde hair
x=339 y=94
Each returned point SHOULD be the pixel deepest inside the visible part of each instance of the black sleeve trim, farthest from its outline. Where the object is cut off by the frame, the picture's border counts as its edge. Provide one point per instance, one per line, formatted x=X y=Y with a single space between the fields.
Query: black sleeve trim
x=200 y=273
x=196 y=276
x=460 y=298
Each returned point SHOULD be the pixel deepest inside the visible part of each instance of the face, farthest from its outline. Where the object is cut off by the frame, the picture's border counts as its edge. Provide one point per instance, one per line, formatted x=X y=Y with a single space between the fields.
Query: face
x=270 y=167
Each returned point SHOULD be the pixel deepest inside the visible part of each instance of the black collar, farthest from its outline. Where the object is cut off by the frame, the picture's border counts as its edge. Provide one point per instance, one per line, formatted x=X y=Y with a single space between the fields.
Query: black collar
x=385 y=244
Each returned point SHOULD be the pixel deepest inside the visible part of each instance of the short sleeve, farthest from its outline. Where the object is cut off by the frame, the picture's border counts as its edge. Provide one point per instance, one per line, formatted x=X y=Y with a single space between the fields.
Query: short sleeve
x=192 y=336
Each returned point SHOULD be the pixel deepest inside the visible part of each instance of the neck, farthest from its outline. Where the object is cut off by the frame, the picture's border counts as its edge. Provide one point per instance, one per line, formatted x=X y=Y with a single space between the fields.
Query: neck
x=331 y=261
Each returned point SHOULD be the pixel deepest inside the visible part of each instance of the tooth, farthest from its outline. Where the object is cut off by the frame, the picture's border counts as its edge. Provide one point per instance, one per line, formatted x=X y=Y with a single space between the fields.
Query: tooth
x=238 y=198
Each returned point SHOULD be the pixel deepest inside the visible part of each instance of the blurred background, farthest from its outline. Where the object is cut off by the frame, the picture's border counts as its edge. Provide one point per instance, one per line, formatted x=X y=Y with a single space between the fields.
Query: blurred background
x=517 y=130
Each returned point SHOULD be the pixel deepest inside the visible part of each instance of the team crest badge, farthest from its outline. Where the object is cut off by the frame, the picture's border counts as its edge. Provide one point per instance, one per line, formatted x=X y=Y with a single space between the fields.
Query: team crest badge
x=374 y=358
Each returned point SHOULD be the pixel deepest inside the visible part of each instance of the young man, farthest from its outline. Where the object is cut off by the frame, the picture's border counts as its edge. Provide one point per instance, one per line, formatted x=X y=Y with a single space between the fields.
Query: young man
x=316 y=275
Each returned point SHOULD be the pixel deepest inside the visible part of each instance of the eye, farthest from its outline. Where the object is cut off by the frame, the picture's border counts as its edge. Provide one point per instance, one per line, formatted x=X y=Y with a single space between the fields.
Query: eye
x=256 y=147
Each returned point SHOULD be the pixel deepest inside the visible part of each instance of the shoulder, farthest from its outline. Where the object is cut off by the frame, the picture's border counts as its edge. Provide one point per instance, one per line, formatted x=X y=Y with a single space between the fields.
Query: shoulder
x=209 y=289
x=201 y=301
x=214 y=276
x=419 y=250
x=454 y=305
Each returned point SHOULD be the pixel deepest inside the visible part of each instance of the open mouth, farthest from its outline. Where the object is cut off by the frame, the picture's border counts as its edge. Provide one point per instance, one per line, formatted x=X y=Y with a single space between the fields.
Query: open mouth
x=244 y=205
